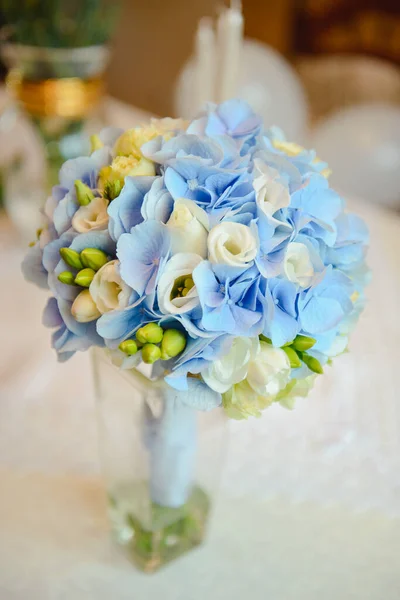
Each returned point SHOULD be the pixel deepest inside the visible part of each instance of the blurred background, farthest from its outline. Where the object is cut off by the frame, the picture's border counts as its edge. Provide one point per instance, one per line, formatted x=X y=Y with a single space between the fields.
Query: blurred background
x=324 y=479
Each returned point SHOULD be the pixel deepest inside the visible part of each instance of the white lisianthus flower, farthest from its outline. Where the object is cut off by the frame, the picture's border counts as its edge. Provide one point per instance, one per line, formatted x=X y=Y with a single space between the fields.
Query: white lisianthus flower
x=108 y=290
x=92 y=216
x=271 y=194
x=297 y=264
x=174 y=297
x=188 y=226
x=233 y=366
x=232 y=244
x=268 y=373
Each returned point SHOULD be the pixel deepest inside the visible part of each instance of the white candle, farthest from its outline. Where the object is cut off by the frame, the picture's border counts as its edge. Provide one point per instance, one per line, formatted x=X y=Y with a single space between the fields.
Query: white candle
x=205 y=62
x=230 y=38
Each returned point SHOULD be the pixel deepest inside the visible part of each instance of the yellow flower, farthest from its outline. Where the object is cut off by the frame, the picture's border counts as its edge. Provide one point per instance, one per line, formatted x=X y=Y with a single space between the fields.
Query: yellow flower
x=131 y=141
x=293 y=149
x=122 y=166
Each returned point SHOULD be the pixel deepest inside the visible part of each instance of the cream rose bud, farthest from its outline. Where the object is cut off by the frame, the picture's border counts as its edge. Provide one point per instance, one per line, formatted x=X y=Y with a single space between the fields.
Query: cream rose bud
x=233 y=366
x=271 y=194
x=269 y=372
x=232 y=244
x=176 y=291
x=108 y=290
x=297 y=264
x=84 y=308
x=92 y=216
x=188 y=226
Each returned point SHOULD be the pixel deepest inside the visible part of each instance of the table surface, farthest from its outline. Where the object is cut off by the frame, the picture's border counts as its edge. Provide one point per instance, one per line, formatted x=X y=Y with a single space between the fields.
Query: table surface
x=310 y=499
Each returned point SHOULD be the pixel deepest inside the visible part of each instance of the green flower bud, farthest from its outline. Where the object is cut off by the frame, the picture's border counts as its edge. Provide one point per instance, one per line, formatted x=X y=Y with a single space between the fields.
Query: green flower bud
x=292 y=356
x=303 y=343
x=173 y=343
x=93 y=258
x=71 y=257
x=150 y=353
x=263 y=338
x=66 y=277
x=84 y=194
x=312 y=363
x=112 y=189
x=95 y=143
x=129 y=347
x=151 y=332
x=85 y=277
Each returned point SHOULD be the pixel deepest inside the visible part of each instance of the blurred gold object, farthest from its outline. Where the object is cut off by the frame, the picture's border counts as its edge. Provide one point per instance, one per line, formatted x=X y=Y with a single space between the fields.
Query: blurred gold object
x=69 y=97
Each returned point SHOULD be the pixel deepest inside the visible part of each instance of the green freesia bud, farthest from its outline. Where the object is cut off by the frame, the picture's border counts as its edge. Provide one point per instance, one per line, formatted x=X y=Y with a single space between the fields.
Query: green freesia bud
x=72 y=258
x=95 y=143
x=66 y=277
x=292 y=356
x=112 y=189
x=303 y=343
x=84 y=194
x=151 y=332
x=264 y=338
x=312 y=363
x=93 y=258
x=150 y=353
x=85 y=277
x=173 y=343
x=129 y=347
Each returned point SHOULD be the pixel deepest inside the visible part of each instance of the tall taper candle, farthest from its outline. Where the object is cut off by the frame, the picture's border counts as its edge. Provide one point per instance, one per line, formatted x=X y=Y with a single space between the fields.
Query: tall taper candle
x=230 y=43
x=205 y=62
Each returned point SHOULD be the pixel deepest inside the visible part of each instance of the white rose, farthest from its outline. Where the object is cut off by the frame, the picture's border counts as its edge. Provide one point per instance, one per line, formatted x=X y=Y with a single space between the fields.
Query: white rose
x=173 y=296
x=271 y=194
x=233 y=366
x=268 y=373
x=297 y=264
x=92 y=216
x=108 y=290
x=232 y=244
x=188 y=226
x=84 y=308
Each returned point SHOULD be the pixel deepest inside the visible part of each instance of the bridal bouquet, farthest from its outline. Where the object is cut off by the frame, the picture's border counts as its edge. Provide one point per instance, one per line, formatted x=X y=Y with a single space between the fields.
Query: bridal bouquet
x=212 y=248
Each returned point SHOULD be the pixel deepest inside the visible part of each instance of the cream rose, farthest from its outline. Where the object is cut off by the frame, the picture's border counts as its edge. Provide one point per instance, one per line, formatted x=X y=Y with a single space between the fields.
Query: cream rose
x=176 y=291
x=108 y=290
x=271 y=194
x=188 y=226
x=231 y=244
x=92 y=216
x=297 y=264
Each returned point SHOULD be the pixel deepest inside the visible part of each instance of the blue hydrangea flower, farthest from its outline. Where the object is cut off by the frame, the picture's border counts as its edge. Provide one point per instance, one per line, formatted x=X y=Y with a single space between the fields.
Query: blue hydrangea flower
x=69 y=335
x=281 y=324
x=85 y=168
x=143 y=253
x=233 y=117
x=126 y=210
x=231 y=302
x=325 y=304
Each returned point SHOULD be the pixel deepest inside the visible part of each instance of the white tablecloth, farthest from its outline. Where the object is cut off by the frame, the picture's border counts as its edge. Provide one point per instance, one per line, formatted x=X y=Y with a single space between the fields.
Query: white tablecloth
x=310 y=500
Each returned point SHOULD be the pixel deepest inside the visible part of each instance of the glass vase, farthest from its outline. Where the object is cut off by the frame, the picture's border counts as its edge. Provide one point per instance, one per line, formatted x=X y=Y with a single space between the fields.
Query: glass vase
x=161 y=461
x=56 y=91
